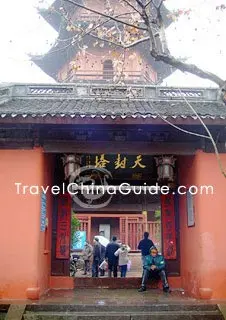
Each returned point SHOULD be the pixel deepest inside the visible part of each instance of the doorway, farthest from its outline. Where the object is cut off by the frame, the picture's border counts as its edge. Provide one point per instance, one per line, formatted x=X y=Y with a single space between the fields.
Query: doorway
x=105 y=230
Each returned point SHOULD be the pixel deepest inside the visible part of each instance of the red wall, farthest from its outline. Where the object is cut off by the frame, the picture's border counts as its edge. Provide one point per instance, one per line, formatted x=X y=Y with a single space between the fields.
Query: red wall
x=24 y=264
x=203 y=250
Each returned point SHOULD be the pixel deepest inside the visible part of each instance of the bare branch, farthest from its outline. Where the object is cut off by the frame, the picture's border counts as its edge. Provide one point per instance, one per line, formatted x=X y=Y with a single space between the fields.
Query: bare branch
x=210 y=137
x=105 y=15
x=159 y=6
x=145 y=39
x=140 y=3
x=147 y=4
x=131 y=6
x=185 y=67
x=170 y=123
x=106 y=40
x=121 y=45
x=180 y=129
x=162 y=35
x=159 y=54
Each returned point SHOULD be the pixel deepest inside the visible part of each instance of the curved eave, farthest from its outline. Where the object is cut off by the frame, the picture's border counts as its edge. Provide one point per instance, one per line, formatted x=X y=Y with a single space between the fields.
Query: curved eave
x=108 y=119
x=57 y=57
x=52 y=15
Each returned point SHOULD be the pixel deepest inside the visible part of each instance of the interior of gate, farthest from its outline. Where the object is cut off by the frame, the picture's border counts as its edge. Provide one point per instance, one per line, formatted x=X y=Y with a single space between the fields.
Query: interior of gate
x=127 y=215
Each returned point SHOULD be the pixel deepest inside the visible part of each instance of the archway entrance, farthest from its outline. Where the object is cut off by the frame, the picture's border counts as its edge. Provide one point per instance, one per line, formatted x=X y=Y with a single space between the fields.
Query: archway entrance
x=126 y=217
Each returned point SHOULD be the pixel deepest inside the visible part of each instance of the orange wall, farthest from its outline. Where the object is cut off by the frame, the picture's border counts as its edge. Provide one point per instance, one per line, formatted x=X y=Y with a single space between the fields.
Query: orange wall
x=203 y=249
x=22 y=263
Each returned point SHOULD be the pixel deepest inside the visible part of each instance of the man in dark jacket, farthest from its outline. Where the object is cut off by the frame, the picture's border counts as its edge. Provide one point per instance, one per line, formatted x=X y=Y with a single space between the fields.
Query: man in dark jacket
x=154 y=267
x=145 y=246
x=112 y=260
x=96 y=257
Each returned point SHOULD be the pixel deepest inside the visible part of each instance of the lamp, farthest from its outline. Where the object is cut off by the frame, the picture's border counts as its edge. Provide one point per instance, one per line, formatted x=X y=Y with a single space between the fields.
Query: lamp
x=166 y=166
x=71 y=163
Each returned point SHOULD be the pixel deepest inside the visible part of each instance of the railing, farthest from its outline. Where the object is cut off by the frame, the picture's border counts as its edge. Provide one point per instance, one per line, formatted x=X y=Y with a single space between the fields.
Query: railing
x=136 y=230
x=94 y=17
x=111 y=76
x=106 y=90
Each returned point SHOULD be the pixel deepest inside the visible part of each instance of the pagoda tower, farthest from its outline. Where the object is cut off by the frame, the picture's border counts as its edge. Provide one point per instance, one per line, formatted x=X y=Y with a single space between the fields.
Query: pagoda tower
x=89 y=59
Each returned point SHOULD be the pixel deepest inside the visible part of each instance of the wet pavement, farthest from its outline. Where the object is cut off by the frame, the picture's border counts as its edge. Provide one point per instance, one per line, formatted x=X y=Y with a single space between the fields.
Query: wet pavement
x=113 y=297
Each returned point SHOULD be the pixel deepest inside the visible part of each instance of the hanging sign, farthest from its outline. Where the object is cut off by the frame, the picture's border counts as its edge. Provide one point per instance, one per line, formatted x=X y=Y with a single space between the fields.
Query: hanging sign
x=63 y=227
x=190 y=210
x=43 y=212
x=79 y=240
x=168 y=227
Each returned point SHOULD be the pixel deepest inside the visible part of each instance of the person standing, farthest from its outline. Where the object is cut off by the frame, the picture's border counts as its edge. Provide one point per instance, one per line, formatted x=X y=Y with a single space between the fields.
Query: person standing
x=122 y=253
x=145 y=245
x=87 y=254
x=112 y=260
x=96 y=257
x=102 y=253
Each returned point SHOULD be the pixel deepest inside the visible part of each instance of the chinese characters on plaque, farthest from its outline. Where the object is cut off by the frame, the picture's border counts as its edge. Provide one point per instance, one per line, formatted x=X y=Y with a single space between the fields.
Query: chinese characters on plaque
x=63 y=227
x=120 y=162
x=168 y=226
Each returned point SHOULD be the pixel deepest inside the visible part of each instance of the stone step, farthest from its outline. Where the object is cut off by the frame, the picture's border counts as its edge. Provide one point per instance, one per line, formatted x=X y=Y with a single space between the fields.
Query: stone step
x=127 y=315
x=155 y=307
x=109 y=283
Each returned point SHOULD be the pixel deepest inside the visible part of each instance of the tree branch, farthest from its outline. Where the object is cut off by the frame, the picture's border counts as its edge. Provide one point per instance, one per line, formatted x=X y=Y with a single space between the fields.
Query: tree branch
x=140 y=3
x=159 y=54
x=210 y=136
x=121 y=45
x=105 y=15
x=145 y=39
x=191 y=68
x=180 y=129
x=131 y=6
x=147 y=4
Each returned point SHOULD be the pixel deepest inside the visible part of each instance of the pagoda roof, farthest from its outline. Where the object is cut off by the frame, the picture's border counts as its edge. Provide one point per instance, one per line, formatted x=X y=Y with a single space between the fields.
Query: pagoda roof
x=40 y=103
x=63 y=51
x=53 y=17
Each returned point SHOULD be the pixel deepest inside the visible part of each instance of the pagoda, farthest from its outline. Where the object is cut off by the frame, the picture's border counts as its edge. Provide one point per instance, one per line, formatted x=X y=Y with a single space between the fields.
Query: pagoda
x=92 y=60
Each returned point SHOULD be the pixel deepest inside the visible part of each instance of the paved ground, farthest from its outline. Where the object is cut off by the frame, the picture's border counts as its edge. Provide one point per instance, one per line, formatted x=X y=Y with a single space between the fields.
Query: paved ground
x=114 y=297
x=136 y=268
x=109 y=297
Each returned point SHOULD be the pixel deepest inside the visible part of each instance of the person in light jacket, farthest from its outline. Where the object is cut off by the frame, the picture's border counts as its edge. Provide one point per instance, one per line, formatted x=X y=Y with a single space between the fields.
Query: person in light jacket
x=122 y=253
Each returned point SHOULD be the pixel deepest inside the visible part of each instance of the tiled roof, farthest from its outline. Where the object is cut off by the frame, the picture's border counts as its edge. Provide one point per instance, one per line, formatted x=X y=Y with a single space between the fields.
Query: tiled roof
x=102 y=101
x=93 y=107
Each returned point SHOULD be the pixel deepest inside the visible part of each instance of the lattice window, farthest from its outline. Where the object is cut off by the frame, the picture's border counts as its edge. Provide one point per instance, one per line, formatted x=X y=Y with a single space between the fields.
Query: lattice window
x=108 y=70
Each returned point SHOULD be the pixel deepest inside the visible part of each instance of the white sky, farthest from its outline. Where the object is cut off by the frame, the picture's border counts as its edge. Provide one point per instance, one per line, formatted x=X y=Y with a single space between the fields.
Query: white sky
x=199 y=37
